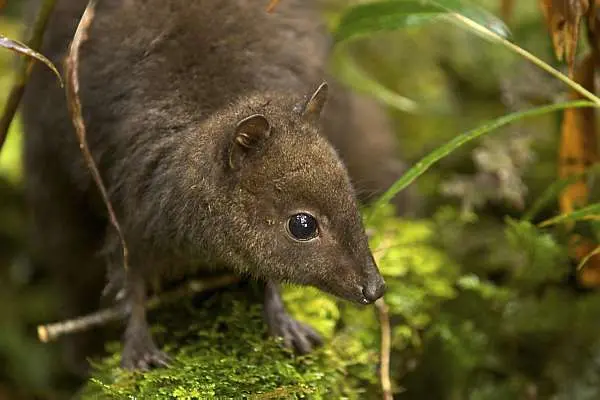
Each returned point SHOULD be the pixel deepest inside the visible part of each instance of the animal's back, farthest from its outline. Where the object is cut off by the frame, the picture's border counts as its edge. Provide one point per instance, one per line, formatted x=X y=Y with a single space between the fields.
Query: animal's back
x=177 y=58
x=206 y=53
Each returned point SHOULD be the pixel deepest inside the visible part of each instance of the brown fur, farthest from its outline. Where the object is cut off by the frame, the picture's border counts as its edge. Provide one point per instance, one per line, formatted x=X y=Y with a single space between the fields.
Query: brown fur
x=164 y=84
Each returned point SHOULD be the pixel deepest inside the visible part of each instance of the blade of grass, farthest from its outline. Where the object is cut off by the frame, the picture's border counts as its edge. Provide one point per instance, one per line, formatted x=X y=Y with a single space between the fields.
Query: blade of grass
x=425 y=163
x=554 y=190
x=591 y=212
x=494 y=37
x=587 y=258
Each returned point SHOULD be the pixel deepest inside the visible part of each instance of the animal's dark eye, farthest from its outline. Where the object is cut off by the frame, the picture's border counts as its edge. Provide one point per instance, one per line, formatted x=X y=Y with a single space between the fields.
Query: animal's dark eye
x=303 y=227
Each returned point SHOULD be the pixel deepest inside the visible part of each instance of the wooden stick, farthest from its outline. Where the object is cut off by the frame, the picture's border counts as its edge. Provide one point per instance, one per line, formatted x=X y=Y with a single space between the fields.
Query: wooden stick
x=51 y=332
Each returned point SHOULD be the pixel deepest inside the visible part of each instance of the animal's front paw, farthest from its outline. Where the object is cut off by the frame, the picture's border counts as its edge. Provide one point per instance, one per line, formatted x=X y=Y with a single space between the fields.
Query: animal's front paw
x=296 y=335
x=141 y=353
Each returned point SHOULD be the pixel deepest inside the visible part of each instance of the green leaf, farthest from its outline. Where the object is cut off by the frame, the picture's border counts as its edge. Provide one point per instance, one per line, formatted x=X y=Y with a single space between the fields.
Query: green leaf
x=349 y=72
x=441 y=152
x=390 y=15
x=590 y=212
x=365 y=19
x=21 y=48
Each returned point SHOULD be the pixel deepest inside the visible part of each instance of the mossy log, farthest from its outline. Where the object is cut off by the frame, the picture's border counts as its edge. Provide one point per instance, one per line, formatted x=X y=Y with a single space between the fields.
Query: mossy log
x=220 y=350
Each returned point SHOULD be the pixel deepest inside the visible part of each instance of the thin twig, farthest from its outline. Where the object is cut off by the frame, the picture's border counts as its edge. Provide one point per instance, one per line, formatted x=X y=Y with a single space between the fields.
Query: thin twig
x=272 y=5
x=386 y=343
x=72 y=67
x=18 y=88
x=51 y=332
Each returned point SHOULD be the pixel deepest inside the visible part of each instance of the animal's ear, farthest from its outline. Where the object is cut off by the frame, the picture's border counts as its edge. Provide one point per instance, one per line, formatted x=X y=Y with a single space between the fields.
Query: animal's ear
x=250 y=133
x=314 y=106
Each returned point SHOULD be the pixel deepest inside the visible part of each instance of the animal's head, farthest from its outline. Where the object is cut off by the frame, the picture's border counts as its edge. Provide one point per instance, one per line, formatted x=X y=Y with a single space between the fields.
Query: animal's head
x=300 y=220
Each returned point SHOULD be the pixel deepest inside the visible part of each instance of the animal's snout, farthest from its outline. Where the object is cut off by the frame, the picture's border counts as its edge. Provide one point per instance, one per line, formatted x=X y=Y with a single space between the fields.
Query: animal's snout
x=373 y=288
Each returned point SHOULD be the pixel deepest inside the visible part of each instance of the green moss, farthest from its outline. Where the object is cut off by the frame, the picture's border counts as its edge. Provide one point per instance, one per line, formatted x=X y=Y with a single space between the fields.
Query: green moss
x=221 y=352
x=220 y=348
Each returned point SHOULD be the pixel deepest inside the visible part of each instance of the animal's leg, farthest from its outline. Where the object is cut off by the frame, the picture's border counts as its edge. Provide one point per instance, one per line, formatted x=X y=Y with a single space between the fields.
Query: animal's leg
x=296 y=335
x=139 y=349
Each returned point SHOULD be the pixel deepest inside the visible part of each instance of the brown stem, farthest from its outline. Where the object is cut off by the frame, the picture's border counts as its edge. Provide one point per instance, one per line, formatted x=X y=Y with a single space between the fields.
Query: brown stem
x=51 y=332
x=507 y=9
x=16 y=92
x=272 y=5
x=384 y=370
x=74 y=103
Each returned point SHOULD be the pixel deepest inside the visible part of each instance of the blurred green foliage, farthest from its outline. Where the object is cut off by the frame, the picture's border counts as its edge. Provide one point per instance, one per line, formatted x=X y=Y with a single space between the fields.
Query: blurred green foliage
x=483 y=304
x=10 y=155
x=25 y=364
